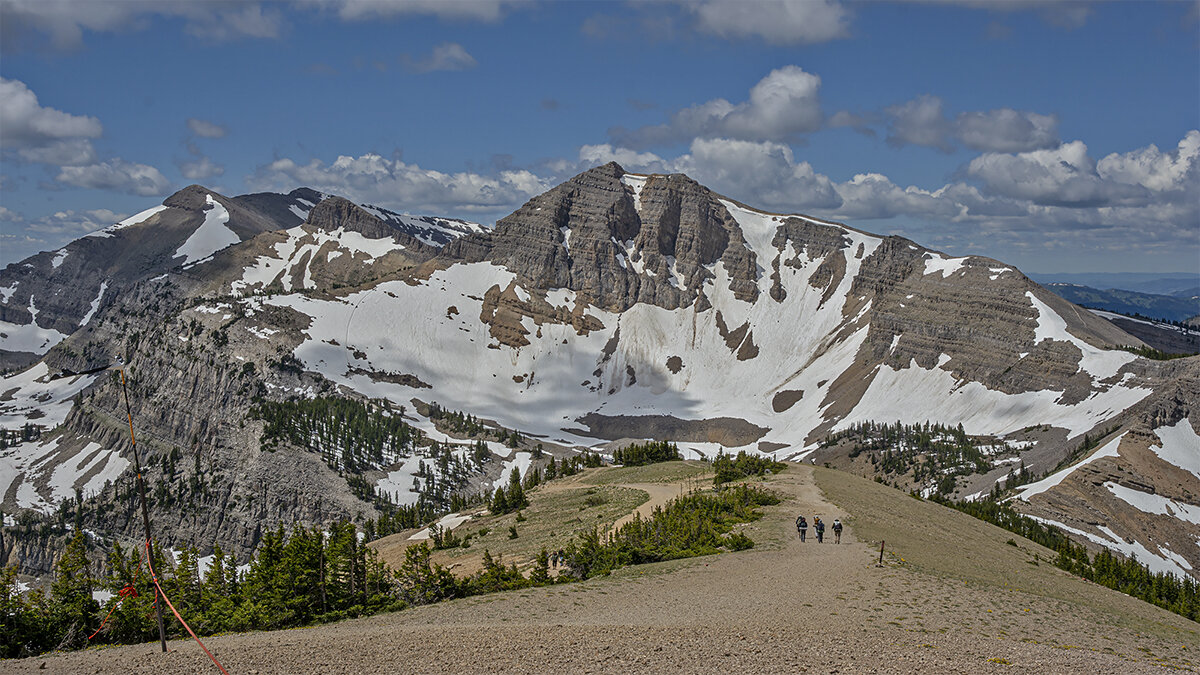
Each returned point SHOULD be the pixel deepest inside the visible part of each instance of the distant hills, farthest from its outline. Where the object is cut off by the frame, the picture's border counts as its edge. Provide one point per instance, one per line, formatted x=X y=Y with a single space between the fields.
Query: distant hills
x=1181 y=307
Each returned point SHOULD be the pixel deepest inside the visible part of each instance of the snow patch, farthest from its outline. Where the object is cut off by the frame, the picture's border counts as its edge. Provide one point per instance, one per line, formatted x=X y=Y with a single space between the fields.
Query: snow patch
x=447 y=522
x=95 y=305
x=59 y=257
x=1108 y=450
x=212 y=235
x=28 y=338
x=131 y=220
x=1155 y=504
x=1101 y=364
x=1179 y=445
x=935 y=262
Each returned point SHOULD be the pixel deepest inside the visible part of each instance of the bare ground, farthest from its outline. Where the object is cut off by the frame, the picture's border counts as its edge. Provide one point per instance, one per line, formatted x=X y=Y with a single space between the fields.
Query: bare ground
x=783 y=607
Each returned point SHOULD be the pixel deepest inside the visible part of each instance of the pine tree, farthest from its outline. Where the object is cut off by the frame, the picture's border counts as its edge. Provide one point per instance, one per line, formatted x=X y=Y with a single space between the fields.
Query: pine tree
x=71 y=592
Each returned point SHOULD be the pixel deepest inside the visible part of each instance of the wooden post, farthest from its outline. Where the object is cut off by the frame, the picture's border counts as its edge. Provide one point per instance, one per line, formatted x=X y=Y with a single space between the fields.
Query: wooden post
x=137 y=465
x=881 y=552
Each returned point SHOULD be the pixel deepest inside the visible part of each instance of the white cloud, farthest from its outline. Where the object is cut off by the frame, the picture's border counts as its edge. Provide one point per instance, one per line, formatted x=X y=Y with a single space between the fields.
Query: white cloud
x=594 y=155
x=395 y=184
x=63 y=22
x=1156 y=170
x=778 y=22
x=767 y=174
x=248 y=21
x=1006 y=130
x=1056 y=199
x=783 y=105
x=922 y=121
x=1062 y=176
x=28 y=124
x=446 y=56
x=477 y=10
x=117 y=175
x=200 y=168
x=206 y=129
x=67 y=152
x=873 y=195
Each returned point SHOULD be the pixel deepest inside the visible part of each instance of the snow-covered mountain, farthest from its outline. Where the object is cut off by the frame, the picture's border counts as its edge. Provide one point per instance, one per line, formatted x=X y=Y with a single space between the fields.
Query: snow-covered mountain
x=613 y=306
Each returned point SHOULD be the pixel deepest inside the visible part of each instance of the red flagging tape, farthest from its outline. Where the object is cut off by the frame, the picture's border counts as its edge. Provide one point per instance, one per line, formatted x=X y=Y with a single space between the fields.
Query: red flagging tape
x=154 y=578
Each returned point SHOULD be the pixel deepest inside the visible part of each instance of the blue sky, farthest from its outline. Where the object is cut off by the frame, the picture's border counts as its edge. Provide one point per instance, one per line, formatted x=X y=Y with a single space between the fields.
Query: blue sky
x=1060 y=137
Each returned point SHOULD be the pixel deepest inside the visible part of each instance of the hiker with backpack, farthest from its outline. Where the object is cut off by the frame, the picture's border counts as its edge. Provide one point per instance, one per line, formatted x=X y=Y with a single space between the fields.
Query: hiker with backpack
x=837 y=531
x=801 y=527
x=820 y=528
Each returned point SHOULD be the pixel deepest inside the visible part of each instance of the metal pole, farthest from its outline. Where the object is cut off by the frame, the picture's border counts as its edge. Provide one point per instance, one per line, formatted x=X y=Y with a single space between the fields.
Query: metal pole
x=137 y=465
x=881 y=552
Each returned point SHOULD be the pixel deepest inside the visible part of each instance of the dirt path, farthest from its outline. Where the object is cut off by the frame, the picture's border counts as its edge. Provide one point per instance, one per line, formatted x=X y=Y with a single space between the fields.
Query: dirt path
x=660 y=494
x=782 y=607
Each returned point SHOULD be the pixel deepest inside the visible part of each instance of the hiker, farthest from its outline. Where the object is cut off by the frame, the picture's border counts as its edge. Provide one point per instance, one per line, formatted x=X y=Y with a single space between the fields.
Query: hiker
x=837 y=531
x=802 y=528
x=820 y=528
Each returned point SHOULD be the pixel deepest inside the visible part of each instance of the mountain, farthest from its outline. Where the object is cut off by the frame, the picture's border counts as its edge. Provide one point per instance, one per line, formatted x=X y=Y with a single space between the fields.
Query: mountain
x=1169 y=307
x=613 y=306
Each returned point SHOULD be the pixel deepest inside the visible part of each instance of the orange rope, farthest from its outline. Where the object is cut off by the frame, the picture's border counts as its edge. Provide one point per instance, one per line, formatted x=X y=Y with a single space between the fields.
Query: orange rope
x=154 y=578
x=127 y=592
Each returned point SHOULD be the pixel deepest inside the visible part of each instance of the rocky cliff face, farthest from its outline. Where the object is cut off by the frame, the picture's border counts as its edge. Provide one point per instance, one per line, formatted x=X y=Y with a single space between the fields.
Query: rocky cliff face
x=617 y=240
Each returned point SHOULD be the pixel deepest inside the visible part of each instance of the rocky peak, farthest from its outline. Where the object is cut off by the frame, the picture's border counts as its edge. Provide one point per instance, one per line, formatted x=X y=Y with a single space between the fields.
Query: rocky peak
x=618 y=239
x=190 y=198
x=338 y=212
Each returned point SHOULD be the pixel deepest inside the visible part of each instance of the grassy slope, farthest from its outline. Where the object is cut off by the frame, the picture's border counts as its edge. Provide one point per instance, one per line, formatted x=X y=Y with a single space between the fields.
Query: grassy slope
x=940 y=541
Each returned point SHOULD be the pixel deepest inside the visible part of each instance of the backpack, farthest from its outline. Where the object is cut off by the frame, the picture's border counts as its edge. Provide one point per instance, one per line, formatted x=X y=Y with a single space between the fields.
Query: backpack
x=837 y=526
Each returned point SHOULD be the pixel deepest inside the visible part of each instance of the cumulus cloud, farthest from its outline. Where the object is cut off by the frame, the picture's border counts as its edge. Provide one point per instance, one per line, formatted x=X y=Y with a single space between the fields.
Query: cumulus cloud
x=782 y=106
x=778 y=22
x=117 y=175
x=594 y=155
x=44 y=135
x=446 y=56
x=67 y=152
x=63 y=22
x=1156 y=170
x=1062 y=176
x=40 y=133
x=206 y=129
x=922 y=121
x=393 y=183
x=200 y=168
x=766 y=171
x=1057 y=197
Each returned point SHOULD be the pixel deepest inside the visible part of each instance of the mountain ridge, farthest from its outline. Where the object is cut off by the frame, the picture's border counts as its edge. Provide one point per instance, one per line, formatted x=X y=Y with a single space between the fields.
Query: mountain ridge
x=612 y=306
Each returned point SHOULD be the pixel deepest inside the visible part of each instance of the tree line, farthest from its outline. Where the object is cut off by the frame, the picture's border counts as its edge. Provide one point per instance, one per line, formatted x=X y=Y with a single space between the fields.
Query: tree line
x=309 y=575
